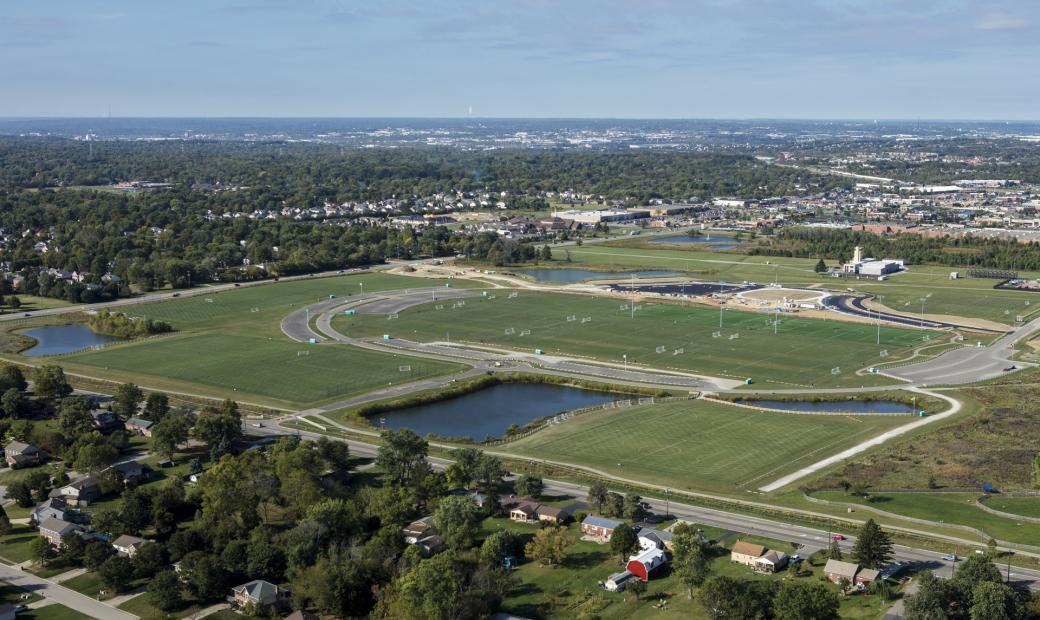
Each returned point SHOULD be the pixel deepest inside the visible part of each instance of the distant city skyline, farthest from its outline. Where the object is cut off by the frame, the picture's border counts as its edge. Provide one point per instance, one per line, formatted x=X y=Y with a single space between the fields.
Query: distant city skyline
x=653 y=59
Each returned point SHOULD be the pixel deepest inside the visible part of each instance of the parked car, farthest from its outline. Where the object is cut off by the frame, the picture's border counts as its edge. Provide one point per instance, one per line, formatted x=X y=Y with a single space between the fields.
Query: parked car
x=950 y=557
x=1010 y=368
x=837 y=537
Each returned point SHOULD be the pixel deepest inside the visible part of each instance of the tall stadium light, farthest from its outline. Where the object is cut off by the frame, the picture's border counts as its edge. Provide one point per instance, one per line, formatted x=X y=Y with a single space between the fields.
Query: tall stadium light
x=720 y=313
x=633 y=304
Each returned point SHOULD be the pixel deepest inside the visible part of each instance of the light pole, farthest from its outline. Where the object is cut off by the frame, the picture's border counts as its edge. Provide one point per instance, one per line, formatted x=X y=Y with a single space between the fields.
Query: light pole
x=922 y=310
x=720 y=313
x=624 y=356
x=362 y=285
x=632 y=304
x=1009 y=554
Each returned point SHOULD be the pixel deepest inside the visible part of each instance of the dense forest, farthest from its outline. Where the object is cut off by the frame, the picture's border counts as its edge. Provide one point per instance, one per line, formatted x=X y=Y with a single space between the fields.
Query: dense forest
x=53 y=193
x=913 y=249
x=305 y=174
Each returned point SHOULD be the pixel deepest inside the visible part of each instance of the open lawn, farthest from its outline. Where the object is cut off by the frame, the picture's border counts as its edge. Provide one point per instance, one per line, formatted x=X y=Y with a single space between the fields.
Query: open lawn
x=229 y=345
x=803 y=352
x=1025 y=506
x=957 y=508
x=14 y=546
x=699 y=445
x=53 y=612
x=967 y=297
x=570 y=590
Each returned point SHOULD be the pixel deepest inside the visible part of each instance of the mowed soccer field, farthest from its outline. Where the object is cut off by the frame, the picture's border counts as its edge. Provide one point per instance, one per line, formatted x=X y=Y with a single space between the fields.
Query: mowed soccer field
x=698 y=444
x=964 y=297
x=803 y=352
x=230 y=345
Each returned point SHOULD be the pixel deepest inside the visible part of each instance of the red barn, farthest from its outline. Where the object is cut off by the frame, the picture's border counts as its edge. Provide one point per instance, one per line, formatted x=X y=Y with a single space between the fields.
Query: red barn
x=647 y=564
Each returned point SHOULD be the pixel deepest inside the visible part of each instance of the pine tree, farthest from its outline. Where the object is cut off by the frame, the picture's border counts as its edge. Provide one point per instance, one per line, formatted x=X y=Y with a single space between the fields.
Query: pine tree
x=873 y=548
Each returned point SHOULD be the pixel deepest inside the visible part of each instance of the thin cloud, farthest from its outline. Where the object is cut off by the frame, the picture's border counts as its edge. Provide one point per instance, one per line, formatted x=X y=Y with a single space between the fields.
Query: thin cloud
x=1001 y=21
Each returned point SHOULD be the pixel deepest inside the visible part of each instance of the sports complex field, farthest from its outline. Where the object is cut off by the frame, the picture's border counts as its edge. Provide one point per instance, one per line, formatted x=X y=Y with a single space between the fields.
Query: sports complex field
x=230 y=345
x=698 y=444
x=801 y=353
x=965 y=297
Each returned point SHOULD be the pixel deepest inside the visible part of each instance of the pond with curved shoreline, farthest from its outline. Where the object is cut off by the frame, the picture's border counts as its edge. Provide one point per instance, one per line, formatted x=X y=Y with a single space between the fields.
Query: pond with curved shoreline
x=58 y=339
x=490 y=411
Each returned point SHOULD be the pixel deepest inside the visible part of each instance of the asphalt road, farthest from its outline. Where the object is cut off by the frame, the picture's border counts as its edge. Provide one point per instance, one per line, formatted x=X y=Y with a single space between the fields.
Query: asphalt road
x=853 y=304
x=968 y=364
x=61 y=594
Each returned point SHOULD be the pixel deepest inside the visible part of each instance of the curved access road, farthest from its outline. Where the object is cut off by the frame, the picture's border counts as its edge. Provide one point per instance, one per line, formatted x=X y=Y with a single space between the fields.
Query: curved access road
x=968 y=364
x=853 y=305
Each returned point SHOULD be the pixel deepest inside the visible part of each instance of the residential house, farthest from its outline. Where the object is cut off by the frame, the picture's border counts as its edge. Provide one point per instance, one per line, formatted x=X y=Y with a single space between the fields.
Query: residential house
x=746 y=553
x=130 y=472
x=599 y=527
x=138 y=426
x=866 y=576
x=127 y=545
x=649 y=539
x=56 y=508
x=530 y=511
x=418 y=529
x=257 y=592
x=771 y=562
x=18 y=454
x=81 y=492
x=57 y=530
x=647 y=564
x=104 y=420
x=424 y=535
x=836 y=571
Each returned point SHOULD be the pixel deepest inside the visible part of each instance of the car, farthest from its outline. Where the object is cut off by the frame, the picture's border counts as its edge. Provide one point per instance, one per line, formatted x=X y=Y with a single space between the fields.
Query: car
x=176 y=294
x=837 y=537
x=796 y=559
x=950 y=557
x=28 y=314
x=1010 y=368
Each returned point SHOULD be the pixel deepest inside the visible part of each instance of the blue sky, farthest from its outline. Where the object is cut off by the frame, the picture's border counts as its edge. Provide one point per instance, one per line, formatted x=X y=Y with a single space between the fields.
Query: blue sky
x=529 y=58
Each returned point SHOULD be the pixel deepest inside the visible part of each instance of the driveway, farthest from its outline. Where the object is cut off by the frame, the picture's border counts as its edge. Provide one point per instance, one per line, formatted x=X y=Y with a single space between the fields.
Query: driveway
x=62 y=595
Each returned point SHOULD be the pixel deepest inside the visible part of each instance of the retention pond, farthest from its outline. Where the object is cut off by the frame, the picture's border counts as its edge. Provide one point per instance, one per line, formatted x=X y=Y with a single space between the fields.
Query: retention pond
x=490 y=411
x=58 y=339
x=881 y=407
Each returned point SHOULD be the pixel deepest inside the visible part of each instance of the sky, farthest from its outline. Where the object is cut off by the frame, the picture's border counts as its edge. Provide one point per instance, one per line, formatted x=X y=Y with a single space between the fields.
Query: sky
x=931 y=59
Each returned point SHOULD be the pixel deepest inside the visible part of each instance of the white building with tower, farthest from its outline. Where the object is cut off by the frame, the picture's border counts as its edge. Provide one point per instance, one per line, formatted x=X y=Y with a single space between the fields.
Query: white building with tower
x=871 y=266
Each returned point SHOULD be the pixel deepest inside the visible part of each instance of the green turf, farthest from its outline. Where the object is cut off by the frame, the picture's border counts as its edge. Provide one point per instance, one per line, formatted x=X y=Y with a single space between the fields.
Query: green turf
x=956 y=508
x=803 y=352
x=699 y=445
x=1025 y=506
x=967 y=297
x=53 y=612
x=230 y=345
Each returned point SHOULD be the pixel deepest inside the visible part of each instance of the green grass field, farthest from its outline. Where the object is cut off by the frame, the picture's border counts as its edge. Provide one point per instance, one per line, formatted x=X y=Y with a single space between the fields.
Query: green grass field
x=53 y=612
x=957 y=508
x=229 y=345
x=966 y=297
x=804 y=351
x=699 y=445
x=1025 y=506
